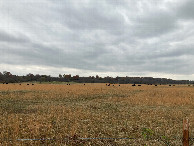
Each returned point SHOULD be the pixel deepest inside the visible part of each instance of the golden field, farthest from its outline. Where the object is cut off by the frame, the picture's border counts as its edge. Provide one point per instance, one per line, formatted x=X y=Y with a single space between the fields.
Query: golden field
x=152 y=115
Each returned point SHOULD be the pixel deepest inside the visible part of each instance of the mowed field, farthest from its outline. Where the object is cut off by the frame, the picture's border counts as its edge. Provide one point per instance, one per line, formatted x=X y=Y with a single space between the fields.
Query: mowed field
x=152 y=115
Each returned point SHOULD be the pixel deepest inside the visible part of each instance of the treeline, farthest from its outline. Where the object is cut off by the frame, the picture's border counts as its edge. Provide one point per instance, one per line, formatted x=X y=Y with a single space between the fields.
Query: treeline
x=7 y=77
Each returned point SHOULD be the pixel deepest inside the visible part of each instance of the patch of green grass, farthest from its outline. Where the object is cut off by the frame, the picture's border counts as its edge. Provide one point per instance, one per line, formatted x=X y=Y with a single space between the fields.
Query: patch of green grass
x=15 y=102
x=14 y=92
x=17 y=106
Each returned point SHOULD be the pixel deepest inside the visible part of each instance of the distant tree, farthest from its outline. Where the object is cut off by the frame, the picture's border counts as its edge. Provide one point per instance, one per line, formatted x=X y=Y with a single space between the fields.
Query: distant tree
x=2 y=78
x=4 y=72
x=60 y=76
x=30 y=77
x=42 y=79
x=49 y=78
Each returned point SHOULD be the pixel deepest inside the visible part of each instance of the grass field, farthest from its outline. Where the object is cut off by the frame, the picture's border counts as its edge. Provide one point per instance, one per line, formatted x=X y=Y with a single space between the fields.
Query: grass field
x=59 y=111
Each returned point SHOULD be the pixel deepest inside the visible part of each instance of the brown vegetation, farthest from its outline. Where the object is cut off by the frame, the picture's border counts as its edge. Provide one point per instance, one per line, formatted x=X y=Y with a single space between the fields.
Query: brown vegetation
x=95 y=110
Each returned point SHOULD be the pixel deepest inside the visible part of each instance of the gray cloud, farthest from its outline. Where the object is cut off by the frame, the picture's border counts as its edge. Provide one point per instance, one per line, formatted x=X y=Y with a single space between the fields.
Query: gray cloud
x=5 y=37
x=99 y=36
x=186 y=10
x=155 y=24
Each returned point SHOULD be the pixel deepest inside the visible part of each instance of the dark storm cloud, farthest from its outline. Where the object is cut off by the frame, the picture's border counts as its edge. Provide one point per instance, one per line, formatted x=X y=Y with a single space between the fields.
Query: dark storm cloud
x=102 y=36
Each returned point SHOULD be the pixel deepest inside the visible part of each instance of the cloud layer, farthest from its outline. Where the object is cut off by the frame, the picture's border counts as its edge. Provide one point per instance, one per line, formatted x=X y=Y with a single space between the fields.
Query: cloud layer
x=144 y=37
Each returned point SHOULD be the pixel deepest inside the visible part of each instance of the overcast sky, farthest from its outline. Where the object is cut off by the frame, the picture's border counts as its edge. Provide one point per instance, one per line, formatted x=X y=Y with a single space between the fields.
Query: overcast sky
x=104 y=37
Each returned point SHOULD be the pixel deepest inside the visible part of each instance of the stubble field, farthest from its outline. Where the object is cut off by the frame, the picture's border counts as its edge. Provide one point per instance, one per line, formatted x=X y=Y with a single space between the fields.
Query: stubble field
x=150 y=115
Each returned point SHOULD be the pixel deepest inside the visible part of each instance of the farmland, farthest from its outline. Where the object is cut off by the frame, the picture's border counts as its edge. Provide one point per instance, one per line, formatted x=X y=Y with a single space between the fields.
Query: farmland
x=60 y=111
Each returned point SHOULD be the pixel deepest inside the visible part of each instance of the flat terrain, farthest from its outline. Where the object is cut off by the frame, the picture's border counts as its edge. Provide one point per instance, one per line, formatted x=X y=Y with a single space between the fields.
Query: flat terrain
x=152 y=115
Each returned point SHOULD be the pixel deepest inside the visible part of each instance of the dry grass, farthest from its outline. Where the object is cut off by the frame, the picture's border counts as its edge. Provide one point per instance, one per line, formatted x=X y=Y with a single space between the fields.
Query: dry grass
x=94 y=110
